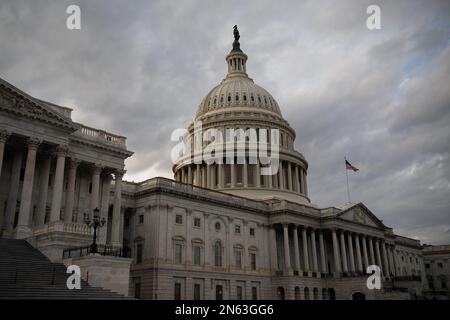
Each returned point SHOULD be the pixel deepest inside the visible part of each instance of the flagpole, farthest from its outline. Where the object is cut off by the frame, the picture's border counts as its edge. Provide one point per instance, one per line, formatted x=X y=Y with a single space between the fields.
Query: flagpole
x=346 y=173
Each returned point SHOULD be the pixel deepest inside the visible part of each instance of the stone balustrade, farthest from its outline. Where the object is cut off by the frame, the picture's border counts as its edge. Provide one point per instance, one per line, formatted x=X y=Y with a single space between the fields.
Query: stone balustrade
x=101 y=135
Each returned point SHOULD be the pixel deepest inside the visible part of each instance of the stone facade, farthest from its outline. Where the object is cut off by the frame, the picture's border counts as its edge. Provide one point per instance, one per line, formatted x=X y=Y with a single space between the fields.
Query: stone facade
x=54 y=173
x=218 y=231
x=437 y=269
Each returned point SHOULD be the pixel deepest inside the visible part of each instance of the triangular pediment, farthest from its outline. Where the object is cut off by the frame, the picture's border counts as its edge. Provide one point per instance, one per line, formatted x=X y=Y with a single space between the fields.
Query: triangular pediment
x=15 y=101
x=359 y=213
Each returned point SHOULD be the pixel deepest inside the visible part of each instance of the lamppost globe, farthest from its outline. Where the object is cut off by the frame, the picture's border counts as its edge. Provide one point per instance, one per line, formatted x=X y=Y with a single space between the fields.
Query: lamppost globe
x=95 y=223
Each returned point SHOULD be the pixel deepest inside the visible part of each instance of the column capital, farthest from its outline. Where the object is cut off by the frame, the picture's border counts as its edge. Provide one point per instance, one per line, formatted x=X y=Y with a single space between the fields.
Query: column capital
x=74 y=163
x=119 y=173
x=4 y=135
x=97 y=168
x=61 y=150
x=33 y=143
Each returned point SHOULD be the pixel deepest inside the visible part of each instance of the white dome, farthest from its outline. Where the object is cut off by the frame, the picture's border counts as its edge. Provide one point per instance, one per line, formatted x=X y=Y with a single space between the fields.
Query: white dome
x=238 y=92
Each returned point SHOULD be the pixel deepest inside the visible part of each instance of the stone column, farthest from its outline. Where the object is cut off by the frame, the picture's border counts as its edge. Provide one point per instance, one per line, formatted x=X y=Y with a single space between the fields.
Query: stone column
x=385 y=260
x=289 y=177
x=280 y=176
x=305 y=249
x=198 y=176
x=314 y=251
x=4 y=135
x=378 y=255
x=350 y=252
x=189 y=174
x=391 y=260
x=182 y=175
x=337 y=257
x=43 y=190
x=303 y=177
x=245 y=173
x=11 y=203
x=55 y=212
x=358 y=254
x=115 y=230
x=297 y=180
x=296 y=249
x=233 y=175
x=23 y=224
x=343 y=252
x=372 y=256
x=204 y=178
x=322 y=252
x=306 y=182
x=70 y=193
x=273 y=247
x=106 y=191
x=366 y=257
x=287 y=257
x=96 y=170
x=258 y=175
x=221 y=176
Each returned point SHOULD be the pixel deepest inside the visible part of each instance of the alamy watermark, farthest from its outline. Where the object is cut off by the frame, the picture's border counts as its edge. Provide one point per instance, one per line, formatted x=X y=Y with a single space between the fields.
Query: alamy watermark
x=258 y=145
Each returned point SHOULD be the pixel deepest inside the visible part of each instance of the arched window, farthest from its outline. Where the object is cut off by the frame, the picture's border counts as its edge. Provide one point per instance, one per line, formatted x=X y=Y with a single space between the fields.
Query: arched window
x=280 y=293
x=306 y=290
x=218 y=254
x=217 y=226
x=297 y=293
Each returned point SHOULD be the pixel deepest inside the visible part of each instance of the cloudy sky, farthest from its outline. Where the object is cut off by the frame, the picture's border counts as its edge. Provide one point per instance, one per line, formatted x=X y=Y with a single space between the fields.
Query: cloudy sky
x=379 y=97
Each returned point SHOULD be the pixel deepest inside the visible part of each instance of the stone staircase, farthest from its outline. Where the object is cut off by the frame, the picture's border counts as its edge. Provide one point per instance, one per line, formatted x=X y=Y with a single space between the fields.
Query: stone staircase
x=25 y=273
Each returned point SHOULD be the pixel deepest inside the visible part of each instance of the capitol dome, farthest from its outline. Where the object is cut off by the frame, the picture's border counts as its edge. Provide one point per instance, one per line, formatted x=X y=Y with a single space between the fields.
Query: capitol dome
x=238 y=103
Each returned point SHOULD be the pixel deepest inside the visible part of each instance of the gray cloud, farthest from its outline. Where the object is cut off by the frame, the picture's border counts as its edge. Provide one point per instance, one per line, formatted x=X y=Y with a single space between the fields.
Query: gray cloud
x=380 y=98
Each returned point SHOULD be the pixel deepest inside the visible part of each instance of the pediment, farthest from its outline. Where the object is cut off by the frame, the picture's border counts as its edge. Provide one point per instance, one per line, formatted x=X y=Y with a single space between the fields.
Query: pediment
x=15 y=101
x=359 y=213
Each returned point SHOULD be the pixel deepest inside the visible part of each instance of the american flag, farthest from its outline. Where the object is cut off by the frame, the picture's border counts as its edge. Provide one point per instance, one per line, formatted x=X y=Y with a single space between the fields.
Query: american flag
x=349 y=166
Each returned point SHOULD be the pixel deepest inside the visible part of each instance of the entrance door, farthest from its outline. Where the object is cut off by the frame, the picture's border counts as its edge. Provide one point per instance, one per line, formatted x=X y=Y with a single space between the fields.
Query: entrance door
x=219 y=292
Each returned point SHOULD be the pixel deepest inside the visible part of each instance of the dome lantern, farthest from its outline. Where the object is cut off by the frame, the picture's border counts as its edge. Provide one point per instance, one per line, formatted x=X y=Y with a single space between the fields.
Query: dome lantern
x=236 y=59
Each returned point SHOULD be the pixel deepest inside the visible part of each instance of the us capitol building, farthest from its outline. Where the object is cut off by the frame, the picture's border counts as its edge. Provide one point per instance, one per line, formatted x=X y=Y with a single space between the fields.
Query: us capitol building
x=219 y=231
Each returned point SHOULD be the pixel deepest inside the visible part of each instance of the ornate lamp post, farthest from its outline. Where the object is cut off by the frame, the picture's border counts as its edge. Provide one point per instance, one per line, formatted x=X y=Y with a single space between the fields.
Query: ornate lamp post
x=95 y=223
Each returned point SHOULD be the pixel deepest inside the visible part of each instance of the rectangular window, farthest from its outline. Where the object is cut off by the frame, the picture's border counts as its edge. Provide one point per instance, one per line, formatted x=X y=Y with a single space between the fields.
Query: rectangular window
x=238 y=258
x=197 y=251
x=179 y=219
x=197 y=289
x=237 y=229
x=141 y=219
x=440 y=265
x=254 y=293
x=139 y=248
x=197 y=222
x=253 y=260
x=252 y=232
x=239 y=293
x=427 y=265
x=178 y=253
x=177 y=291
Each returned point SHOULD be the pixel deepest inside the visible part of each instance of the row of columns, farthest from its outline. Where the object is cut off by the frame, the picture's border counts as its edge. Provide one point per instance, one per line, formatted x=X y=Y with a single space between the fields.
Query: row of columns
x=352 y=252
x=205 y=176
x=23 y=224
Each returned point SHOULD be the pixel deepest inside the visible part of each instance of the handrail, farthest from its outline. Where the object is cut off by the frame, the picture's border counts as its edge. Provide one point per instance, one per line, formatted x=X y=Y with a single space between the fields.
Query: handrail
x=104 y=250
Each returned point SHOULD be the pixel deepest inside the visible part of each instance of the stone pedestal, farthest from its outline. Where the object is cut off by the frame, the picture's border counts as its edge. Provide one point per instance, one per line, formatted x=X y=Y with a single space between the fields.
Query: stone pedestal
x=54 y=237
x=112 y=273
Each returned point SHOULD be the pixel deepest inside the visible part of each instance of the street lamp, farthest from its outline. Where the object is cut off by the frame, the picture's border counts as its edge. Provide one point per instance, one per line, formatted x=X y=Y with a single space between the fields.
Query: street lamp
x=95 y=223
